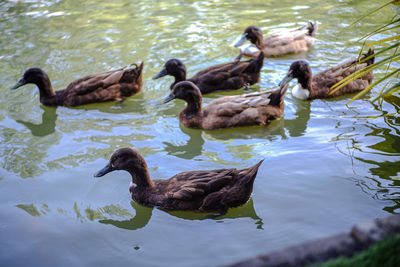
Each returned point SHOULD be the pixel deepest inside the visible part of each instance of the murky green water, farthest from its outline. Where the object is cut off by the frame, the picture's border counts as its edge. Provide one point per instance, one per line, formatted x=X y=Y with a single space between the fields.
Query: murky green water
x=327 y=166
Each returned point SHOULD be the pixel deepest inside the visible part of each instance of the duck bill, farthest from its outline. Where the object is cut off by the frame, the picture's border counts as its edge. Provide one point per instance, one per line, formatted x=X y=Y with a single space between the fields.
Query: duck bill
x=287 y=79
x=170 y=97
x=241 y=40
x=20 y=83
x=162 y=73
x=104 y=171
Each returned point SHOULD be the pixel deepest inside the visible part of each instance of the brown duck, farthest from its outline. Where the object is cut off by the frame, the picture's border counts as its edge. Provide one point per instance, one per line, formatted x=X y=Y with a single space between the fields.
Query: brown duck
x=242 y=110
x=229 y=76
x=318 y=86
x=209 y=190
x=290 y=42
x=112 y=85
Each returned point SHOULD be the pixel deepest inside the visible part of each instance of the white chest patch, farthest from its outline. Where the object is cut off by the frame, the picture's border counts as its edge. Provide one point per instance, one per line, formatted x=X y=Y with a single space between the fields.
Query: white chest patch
x=249 y=49
x=299 y=92
x=131 y=186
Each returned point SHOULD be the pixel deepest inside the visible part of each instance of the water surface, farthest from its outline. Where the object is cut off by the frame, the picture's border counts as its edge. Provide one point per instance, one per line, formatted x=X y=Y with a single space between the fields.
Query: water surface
x=327 y=166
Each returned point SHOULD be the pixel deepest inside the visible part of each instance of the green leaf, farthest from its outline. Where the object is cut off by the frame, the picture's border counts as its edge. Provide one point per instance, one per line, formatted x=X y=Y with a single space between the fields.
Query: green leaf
x=363 y=92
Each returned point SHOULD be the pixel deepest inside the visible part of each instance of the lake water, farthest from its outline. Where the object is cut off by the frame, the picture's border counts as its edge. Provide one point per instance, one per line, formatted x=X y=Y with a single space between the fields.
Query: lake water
x=327 y=166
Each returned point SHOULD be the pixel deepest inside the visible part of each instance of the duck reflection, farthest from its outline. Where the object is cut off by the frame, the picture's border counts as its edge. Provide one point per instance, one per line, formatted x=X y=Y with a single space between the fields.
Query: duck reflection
x=190 y=149
x=48 y=125
x=142 y=214
x=140 y=220
x=298 y=126
x=245 y=211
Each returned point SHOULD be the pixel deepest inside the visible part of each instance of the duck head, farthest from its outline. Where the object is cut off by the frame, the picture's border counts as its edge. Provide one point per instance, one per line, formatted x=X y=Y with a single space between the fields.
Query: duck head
x=254 y=35
x=301 y=70
x=38 y=77
x=175 y=68
x=131 y=161
x=185 y=90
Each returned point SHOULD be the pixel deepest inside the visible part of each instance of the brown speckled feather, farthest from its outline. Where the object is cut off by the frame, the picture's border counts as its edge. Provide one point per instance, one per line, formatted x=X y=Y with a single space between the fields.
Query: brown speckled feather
x=323 y=81
x=112 y=85
x=229 y=76
x=207 y=190
x=230 y=111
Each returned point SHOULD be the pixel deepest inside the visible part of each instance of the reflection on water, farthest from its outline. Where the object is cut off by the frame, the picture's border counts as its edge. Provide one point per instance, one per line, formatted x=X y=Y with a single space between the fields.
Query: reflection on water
x=188 y=150
x=379 y=149
x=245 y=211
x=107 y=214
x=48 y=124
x=60 y=148
x=140 y=220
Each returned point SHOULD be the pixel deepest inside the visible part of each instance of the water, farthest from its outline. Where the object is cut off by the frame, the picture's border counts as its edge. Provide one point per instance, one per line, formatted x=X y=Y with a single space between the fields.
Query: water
x=327 y=166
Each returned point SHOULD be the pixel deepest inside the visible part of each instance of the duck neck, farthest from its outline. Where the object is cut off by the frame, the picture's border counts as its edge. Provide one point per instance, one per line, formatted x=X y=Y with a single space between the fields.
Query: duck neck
x=193 y=105
x=179 y=77
x=305 y=81
x=259 y=42
x=45 y=88
x=140 y=175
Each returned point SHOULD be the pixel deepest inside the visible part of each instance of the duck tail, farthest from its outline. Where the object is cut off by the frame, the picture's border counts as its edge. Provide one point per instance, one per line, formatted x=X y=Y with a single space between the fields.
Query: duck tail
x=251 y=173
x=256 y=63
x=370 y=54
x=139 y=68
x=312 y=27
x=278 y=96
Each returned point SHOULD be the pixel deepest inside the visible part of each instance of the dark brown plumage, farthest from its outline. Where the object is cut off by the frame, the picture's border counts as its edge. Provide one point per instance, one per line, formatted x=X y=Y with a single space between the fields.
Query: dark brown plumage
x=318 y=86
x=229 y=76
x=112 y=85
x=242 y=110
x=209 y=190
x=290 y=42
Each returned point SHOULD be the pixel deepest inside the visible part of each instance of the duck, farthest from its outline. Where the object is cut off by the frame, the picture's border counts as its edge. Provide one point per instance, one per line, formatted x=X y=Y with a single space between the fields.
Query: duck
x=204 y=191
x=289 y=42
x=257 y=108
x=229 y=76
x=318 y=86
x=108 y=86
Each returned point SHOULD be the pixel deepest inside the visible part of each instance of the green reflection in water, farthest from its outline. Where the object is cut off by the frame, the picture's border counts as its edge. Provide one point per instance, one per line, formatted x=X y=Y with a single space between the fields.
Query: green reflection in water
x=140 y=220
x=48 y=124
x=32 y=210
x=143 y=214
x=381 y=154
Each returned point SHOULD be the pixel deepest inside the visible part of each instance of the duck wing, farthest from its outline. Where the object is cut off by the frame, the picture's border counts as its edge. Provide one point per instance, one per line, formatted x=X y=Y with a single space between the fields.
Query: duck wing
x=104 y=80
x=233 y=75
x=244 y=110
x=290 y=42
x=111 y=85
x=323 y=81
x=235 y=195
x=233 y=105
x=191 y=185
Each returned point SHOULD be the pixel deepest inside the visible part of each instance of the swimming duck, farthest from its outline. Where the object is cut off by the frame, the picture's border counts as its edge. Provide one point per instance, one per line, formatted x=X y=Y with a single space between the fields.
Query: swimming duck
x=241 y=110
x=318 y=86
x=208 y=190
x=112 y=85
x=289 y=42
x=228 y=76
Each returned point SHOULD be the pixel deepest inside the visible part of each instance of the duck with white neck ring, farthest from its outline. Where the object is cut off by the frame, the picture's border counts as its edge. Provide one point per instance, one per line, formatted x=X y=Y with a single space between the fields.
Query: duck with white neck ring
x=318 y=86
x=295 y=41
